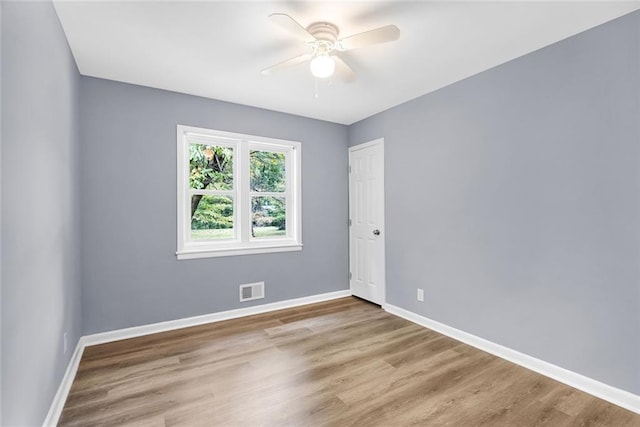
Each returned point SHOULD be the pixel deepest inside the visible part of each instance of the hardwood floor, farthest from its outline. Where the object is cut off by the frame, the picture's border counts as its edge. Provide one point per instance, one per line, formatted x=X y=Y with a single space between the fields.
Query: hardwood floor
x=338 y=363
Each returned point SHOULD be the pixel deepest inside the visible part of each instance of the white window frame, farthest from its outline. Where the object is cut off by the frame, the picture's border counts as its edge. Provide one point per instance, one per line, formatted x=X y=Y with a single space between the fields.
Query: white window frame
x=242 y=243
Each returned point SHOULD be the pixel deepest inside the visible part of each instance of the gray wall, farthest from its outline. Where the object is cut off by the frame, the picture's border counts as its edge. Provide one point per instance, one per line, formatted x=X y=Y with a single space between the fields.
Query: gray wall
x=513 y=199
x=40 y=210
x=130 y=272
x=0 y=214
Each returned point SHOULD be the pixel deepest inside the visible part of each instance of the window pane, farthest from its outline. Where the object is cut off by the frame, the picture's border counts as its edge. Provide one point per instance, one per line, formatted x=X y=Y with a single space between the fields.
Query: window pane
x=210 y=167
x=267 y=171
x=268 y=217
x=211 y=217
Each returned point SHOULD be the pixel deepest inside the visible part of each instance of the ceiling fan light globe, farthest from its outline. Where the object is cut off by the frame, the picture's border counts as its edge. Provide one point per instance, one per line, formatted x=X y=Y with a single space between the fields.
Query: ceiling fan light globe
x=322 y=66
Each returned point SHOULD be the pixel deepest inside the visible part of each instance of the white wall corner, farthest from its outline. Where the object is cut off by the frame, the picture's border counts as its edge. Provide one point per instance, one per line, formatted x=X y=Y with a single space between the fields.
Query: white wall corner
x=55 y=410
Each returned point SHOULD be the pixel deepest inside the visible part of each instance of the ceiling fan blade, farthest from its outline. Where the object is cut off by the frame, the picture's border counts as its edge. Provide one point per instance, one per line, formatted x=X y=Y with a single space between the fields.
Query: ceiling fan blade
x=379 y=35
x=291 y=25
x=343 y=71
x=288 y=63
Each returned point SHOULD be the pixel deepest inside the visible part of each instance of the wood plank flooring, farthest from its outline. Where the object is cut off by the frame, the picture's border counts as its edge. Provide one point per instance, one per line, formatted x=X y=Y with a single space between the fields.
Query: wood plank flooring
x=339 y=363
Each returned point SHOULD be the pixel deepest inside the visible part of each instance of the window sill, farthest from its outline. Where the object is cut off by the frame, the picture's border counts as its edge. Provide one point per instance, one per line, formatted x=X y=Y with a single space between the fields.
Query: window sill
x=213 y=253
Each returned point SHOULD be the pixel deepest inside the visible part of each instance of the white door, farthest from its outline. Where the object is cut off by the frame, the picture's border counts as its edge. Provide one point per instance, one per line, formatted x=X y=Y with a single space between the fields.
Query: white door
x=366 y=221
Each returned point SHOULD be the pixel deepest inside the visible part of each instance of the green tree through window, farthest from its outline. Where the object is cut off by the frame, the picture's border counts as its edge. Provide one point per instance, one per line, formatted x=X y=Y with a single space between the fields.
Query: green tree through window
x=268 y=175
x=237 y=194
x=211 y=168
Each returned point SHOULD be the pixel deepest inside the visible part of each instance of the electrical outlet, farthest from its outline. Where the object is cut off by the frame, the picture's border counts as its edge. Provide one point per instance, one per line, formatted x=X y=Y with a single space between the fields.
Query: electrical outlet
x=65 y=343
x=420 y=295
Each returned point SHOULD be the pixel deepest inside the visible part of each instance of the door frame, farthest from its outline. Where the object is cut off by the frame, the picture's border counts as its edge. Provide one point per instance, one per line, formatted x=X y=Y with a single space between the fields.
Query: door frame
x=383 y=267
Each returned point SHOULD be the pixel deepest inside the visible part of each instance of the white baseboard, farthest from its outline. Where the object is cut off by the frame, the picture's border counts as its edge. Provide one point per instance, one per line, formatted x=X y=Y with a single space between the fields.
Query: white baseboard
x=137 y=331
x=611 y=394
x=60 y=398
x=65 y=386
x=606 y=392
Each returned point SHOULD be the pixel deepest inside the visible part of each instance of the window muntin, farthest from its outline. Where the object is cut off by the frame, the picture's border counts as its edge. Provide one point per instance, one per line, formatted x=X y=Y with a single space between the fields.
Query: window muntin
x=236 y=194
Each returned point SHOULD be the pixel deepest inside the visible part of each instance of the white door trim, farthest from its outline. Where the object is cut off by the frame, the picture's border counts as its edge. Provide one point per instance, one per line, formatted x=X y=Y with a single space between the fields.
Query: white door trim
x=379 y=141
x=383 y=287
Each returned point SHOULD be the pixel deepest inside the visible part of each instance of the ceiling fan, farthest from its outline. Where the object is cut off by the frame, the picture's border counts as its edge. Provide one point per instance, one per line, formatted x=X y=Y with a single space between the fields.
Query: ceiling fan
x=324 y=44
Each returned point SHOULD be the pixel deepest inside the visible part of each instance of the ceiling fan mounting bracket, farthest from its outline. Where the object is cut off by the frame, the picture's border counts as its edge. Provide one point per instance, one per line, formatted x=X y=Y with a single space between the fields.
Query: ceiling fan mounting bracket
x=324 y=31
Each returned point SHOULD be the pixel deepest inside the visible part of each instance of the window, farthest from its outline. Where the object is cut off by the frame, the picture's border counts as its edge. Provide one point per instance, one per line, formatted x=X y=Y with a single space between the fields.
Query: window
x=237 y=194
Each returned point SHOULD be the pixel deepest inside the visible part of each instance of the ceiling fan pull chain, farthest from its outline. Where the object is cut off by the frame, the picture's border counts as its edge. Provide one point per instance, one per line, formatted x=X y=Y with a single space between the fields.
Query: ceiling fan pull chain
x=316 y=80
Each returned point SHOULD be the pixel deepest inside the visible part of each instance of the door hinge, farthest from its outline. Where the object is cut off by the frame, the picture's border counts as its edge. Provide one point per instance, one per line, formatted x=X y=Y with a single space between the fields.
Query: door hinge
x=349 y=168
x=349 y=275
x=349 y=222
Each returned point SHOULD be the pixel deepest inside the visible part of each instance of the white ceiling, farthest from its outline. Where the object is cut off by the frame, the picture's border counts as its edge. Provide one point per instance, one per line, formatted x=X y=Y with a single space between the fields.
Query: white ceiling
x=217 y=49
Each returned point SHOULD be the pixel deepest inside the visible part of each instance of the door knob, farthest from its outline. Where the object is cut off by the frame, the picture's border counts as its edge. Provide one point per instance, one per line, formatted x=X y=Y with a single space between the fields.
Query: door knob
x=376 y=232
